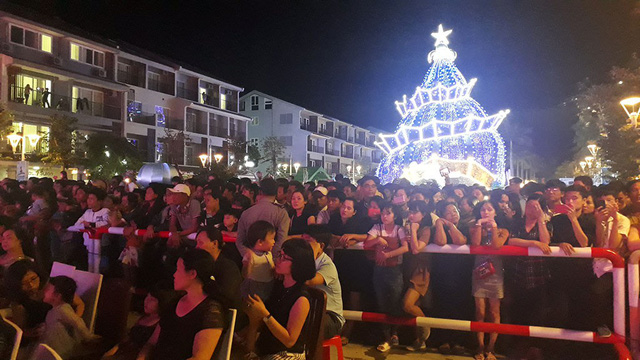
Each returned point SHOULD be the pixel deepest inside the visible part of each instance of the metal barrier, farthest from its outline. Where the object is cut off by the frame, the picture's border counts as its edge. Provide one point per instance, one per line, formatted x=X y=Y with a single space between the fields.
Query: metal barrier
x=618 y=338
x=633 y=275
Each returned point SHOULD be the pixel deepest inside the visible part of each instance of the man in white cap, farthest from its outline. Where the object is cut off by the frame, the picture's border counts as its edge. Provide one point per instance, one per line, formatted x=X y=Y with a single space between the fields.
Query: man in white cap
x=320 y=199
x=183 y=214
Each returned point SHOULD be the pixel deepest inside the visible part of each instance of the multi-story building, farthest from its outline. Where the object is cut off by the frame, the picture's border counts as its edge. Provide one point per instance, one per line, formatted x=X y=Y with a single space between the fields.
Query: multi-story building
x=49 y=69
x=311 y=138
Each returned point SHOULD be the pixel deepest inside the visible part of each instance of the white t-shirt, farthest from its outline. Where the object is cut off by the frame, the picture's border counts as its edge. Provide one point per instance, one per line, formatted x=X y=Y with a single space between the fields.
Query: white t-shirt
x=602 y=266
x=261 y=266
x=100 y=217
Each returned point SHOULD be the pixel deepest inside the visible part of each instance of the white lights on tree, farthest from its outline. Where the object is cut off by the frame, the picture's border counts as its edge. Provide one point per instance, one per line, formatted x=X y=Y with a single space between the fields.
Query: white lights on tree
x=443 y=129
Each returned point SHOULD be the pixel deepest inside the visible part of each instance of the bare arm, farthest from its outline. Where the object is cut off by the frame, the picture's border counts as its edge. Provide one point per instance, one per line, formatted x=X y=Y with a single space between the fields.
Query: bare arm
x=440 y=237
x=476 y=235
x=78 y=305
x=205 y=343
x=311 y=220
x=457 y=237
x=499 y=237
x=297 y=316
x=317 y=280
x=633 y=241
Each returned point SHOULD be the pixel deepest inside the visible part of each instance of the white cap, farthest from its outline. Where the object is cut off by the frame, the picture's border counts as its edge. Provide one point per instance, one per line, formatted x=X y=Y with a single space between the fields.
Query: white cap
x=181 y=188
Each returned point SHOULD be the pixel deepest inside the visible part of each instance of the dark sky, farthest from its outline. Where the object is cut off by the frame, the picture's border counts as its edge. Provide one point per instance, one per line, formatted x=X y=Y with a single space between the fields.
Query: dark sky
x=353 y=59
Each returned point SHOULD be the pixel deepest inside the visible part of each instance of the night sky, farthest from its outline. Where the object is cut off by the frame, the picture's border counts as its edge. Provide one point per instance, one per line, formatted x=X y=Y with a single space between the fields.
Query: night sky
x=353 y=59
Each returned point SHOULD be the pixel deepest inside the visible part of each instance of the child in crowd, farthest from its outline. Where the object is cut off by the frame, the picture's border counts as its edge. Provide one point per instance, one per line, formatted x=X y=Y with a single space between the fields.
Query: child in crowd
x=64 y=330
x=258 y=271
x=419 y=233
x=155 y=305
x=389 y=242
x=229 y=224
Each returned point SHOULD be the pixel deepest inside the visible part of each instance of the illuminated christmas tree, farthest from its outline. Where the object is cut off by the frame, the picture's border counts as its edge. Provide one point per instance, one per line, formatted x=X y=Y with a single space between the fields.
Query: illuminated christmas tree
x=443 y=130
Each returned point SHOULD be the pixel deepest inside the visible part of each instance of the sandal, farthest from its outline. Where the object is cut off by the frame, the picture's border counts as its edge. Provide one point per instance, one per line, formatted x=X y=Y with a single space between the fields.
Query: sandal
x=394 y=340
x=490 y=356
x=384 y=347
x=444 y=349
x=479 y=356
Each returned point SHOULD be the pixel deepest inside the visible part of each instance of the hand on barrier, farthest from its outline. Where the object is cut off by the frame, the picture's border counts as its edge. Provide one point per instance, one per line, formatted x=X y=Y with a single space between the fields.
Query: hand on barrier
x=566 y=248
x=544 y=247
x=174 y=240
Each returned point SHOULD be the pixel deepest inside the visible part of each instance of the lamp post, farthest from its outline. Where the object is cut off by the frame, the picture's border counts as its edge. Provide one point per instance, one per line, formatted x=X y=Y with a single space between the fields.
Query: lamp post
x=296 y=166
x=632 y=107
x=218 y=158
x=22 y=168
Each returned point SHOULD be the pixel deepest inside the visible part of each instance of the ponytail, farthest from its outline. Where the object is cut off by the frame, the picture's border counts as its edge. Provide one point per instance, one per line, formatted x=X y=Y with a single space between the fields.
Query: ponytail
x=203 y=264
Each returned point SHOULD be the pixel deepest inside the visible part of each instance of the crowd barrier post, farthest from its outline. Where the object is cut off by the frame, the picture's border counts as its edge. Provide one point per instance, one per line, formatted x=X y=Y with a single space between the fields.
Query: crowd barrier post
x=633 y=278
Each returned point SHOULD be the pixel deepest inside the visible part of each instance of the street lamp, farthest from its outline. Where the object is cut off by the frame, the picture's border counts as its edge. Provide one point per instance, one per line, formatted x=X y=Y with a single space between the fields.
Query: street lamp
x=589 y=160
x=631 y=106
x=203 y=159
x=218 y=157
x=285 y=166
x=296 y=166
x=583 y=165
x=358 y=168
x=15 y=139
x=593 y=149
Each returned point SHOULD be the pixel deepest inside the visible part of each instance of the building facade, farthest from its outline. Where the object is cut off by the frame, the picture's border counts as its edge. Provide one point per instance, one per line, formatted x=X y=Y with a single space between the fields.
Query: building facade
x=311 y=138
x=111 y=87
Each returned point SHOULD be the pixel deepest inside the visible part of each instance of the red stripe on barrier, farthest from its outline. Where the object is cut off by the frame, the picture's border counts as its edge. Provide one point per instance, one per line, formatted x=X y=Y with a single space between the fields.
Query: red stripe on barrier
x=617 y=260
x=385 y=319
x=227 y=238
x=505 y=250
x=508 y=329
x=623 y=351
x=613 y=339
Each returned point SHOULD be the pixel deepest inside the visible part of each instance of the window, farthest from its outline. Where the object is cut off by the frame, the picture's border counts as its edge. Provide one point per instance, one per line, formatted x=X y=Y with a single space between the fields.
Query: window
x=254 y=102
x=154 y=81
x=87 y=101
x=254 y=142
x=29 y=38
x=268 y=104
x=255 y=121
x=287 y=140
x=86 y=55
x=286 y=118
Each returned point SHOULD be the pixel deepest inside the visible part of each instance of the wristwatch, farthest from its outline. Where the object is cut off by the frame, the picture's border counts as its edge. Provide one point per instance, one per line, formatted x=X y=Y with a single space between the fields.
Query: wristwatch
x=266 y=318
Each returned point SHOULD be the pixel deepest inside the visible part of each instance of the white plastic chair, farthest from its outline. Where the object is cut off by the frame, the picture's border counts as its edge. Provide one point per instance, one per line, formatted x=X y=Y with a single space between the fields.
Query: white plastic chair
x=60 y=269
x=17 y=339
x=44 y=352
x=227 y=336
x=89 y=286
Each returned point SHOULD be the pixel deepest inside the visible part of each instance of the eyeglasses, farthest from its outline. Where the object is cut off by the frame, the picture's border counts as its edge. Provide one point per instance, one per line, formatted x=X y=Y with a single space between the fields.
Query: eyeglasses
x=31 y=280
x=281 y=256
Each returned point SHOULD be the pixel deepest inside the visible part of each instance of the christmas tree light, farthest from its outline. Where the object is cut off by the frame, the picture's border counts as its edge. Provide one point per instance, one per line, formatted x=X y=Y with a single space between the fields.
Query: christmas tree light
x=443 y=129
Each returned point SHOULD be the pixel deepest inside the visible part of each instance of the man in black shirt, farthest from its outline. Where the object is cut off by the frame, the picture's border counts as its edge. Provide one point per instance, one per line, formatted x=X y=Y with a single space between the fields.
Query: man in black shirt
x=570 y=278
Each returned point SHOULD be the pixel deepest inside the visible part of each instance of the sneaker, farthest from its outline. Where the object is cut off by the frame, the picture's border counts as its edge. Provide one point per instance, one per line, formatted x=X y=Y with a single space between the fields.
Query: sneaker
x=394 y=340
x=384 y=347
x=417 y=346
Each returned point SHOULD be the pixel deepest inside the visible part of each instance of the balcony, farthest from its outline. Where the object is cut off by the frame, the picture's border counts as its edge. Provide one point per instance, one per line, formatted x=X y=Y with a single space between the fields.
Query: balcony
x=341 y=135
x=218 y=131
x=175 y=124
x=325 y=131
x=130 y=78
x=237 y=135
x=315 y=148
x=347 y=154
x=187 y=94
x=142 y=118
x=370 y=143
x=334 y=152
x=64 y=103
x=161 y=86
x=309 y=127
x=361 y=141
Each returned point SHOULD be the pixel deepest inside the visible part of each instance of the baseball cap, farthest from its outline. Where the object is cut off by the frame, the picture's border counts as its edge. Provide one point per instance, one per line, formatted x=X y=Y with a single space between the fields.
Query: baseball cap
x=181 y=188
x=321 y=189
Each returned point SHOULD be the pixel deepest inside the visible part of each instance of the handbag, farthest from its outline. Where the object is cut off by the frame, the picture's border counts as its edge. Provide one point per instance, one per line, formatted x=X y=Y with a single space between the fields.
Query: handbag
x=484 y=270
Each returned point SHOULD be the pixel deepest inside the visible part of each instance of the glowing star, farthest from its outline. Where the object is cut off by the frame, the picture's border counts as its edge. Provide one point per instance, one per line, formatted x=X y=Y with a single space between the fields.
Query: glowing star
x=444 y=130
x=441 y=36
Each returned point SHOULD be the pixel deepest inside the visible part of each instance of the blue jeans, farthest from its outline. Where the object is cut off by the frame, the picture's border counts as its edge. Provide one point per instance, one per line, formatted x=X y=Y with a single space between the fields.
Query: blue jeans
x=387 y=284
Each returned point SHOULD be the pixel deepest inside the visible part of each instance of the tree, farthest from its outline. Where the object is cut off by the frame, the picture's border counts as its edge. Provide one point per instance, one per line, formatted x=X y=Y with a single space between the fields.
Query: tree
x=6 y=120
x=601 y=120
x=173 y=144
x=272 y=148
x=62 y=141
x=109 y=154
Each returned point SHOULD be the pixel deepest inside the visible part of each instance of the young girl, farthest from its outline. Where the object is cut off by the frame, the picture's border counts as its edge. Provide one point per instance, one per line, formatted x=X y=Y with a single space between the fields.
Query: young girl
x=419 y=232
x=389 y=242
x=488 y=274
x=258 y=270
x=155 y=304
x=63 y=328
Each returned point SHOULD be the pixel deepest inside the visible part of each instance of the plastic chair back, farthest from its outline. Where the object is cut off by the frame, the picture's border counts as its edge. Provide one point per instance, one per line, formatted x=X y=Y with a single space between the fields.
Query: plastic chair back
x=60 y=269
x=315 y=323
x=227 y=337
x=44 y=352
x=89 y=286
x=113 y=309
x=16 y=339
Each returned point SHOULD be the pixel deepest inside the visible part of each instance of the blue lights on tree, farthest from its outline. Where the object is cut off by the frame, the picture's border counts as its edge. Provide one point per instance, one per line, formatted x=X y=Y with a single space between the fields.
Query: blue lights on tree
x=443 y=130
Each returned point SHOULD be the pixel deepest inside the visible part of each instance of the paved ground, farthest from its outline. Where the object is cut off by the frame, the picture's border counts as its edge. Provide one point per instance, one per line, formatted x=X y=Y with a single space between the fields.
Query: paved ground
x=357 y=351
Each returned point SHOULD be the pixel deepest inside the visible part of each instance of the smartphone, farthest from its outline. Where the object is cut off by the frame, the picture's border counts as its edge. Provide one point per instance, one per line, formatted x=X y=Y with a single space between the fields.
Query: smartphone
x=599 y=204
x=561 y=209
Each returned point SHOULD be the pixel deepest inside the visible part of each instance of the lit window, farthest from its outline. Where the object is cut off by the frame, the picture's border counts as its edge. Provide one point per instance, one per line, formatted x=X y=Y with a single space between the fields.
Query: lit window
x=46 y=43
x=75 y=52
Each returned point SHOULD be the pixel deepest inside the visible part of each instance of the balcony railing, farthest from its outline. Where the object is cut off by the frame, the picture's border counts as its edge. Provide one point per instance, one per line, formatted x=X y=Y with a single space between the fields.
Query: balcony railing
x=361 y=141
x=309 y=127
x=142 y=118
x=347 y=154
x=176 y=124
x=187 y=94
x=341 y=135
x=218 y=131
x=334 y=152
x=237 y=135
x=315 y=148
x=370 y=143
x=161 y=86
x=131 y=79
x=64 y=103
x=325 y=131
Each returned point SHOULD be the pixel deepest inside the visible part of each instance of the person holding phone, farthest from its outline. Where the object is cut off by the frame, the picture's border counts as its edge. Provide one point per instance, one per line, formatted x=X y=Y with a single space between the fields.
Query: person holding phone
x=570 y=279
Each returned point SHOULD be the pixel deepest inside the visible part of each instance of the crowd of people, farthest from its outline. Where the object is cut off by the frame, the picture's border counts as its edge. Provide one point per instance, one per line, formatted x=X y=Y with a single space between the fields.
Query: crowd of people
x=258 y=246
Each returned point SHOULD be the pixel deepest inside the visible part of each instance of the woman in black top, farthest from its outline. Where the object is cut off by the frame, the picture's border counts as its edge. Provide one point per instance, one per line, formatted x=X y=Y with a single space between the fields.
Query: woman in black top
x=285 y=313
x=193 y=326
x=301 y=216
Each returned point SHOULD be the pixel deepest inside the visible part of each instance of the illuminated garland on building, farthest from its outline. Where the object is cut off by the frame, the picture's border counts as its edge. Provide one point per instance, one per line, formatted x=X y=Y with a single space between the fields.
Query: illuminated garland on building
x=443 y=129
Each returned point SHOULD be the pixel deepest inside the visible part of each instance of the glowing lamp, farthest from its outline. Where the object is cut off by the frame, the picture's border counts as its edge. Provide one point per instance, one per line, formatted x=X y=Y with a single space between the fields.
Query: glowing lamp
x=203 y=159
x=14 y=139
x=593 y=149
x=296 y=166
x=218 y=157
x=583 y=164
x=33 y=139
x=589 y=160
x=631 y=106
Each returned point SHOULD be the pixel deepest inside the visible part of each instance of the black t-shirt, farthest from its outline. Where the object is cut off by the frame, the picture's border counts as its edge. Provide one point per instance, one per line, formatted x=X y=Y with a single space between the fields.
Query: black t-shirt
x=229 y=279
x=178 y=333
x=356 y=225
x=519 y=230
x=563 y=231
x=299 y=224
x=279 y=305
x=209 y=220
